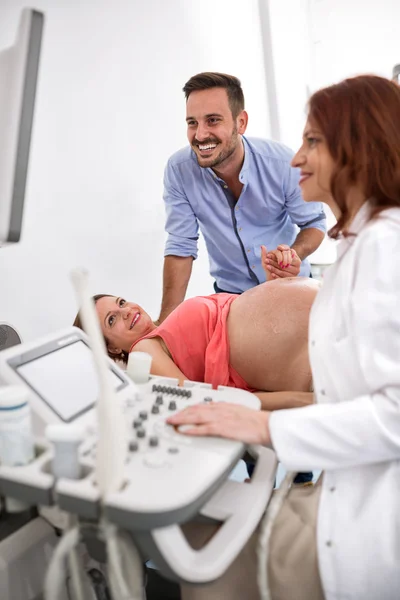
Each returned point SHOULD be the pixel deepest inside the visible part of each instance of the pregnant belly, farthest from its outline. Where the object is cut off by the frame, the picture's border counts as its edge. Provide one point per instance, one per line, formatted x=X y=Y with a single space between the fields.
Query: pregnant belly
x=268 y=334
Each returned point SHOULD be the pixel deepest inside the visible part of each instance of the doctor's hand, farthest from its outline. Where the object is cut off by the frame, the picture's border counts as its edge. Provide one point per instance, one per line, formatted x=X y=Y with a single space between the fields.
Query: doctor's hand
x=281 y=262
x=224 y=420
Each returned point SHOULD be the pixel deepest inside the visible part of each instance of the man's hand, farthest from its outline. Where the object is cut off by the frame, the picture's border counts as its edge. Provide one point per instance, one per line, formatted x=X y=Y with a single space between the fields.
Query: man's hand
x=281 y=262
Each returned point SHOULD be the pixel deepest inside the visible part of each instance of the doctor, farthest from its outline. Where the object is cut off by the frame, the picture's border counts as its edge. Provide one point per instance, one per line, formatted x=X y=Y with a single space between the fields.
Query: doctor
x=342 y=542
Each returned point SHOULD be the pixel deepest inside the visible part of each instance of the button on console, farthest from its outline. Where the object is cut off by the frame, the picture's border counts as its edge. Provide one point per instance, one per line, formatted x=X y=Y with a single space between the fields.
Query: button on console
x=155 y=461
x=133 y=446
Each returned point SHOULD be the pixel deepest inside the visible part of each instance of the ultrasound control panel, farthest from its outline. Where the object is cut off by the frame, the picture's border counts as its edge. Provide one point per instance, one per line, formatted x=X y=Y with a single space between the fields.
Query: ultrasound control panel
x=166 y=471
x=168 y=477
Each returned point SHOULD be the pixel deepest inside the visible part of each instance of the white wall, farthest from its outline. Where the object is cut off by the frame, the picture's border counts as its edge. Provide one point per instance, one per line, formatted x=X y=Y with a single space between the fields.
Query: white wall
x=349 y=38
x=109 y=112
x=353 y=37
x=289 y=30
x=319 y=42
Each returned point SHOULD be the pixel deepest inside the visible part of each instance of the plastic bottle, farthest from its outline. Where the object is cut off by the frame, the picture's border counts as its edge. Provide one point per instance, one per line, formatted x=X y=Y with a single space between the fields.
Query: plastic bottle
x=139 y=365
x=16 y=439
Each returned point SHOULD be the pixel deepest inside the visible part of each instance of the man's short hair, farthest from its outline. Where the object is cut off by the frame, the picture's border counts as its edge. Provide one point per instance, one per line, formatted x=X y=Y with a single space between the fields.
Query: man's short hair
x=232 y=85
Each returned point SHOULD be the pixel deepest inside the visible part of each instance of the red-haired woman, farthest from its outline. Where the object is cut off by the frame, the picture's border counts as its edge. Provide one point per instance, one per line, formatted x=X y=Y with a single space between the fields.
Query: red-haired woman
x=339 y=540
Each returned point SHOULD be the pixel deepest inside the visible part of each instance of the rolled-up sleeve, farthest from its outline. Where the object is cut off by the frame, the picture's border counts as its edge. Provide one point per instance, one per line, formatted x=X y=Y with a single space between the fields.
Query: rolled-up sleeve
x=181 y=222
x=304 y=214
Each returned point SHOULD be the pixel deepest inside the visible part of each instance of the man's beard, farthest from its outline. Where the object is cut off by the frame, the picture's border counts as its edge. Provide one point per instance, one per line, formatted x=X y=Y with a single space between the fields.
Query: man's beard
x=209 y=163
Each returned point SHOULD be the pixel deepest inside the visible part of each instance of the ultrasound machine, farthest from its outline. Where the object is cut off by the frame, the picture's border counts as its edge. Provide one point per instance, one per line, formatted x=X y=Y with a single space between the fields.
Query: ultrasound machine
x=107 y=477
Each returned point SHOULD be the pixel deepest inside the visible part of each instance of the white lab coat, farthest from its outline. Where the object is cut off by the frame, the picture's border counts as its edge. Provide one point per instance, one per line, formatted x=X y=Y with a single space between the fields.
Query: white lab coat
x=353 y=432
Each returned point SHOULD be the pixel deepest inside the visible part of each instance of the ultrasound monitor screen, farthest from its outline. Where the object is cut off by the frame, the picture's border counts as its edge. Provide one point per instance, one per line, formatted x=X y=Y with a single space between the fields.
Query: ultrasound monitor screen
x=66 y=379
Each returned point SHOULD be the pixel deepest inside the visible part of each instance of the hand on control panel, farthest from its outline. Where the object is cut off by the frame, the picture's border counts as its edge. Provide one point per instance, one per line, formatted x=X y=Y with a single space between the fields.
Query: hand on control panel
x=226 y=420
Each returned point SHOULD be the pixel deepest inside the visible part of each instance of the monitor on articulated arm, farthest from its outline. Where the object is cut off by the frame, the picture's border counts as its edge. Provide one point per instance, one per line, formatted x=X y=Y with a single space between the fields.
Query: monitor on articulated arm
x=18 y=77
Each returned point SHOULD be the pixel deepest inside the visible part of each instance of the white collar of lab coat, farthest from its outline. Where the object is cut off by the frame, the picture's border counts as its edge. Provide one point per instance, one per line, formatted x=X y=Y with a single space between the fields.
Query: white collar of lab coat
x=356 y=225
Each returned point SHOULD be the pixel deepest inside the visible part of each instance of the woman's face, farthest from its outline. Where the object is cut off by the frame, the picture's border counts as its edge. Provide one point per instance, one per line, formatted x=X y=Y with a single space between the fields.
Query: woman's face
x=316 y=167
x=122 y=322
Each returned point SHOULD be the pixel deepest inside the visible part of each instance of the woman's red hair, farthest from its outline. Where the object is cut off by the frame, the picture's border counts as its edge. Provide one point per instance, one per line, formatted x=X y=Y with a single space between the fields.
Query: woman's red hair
x=360 y=120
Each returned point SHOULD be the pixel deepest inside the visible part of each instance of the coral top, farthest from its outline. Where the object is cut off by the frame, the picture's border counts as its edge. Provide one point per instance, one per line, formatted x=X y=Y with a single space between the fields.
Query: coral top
x=196 y=336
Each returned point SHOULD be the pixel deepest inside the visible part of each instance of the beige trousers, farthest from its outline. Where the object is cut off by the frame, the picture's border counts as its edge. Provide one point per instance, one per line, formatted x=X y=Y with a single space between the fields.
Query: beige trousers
x=292 y=562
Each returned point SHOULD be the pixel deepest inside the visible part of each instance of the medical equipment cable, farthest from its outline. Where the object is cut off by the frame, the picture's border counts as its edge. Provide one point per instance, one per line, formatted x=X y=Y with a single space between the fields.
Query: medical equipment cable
x=74 y=567
x=55 y=576
x=121 y=549
x=76 y=579
x=117 y=579
x=112 y=445
x=267 y=523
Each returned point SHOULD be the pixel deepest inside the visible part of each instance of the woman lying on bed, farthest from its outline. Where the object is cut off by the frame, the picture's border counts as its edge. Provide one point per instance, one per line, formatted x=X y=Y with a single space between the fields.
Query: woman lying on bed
x=256 y=341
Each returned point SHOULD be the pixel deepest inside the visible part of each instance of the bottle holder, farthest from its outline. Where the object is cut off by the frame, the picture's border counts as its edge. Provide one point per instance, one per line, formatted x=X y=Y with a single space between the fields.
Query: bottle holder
x=30 y=483
x=34 y=482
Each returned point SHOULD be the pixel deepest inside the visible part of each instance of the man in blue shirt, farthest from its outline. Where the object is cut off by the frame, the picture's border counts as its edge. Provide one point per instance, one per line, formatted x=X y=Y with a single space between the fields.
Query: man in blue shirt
x=240 y=192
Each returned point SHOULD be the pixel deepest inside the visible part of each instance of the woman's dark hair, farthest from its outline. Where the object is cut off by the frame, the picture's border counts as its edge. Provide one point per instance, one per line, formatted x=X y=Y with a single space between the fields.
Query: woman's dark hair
x=78 y=323
x=206 y=81
x=360 y=120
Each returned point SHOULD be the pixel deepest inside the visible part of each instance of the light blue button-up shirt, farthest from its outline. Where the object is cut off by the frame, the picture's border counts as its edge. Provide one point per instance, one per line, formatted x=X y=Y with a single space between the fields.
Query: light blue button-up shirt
x=268 y=211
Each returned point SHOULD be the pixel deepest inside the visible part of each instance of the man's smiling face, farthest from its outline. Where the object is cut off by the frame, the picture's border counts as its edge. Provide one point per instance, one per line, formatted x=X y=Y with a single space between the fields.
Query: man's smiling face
x=212 y=131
